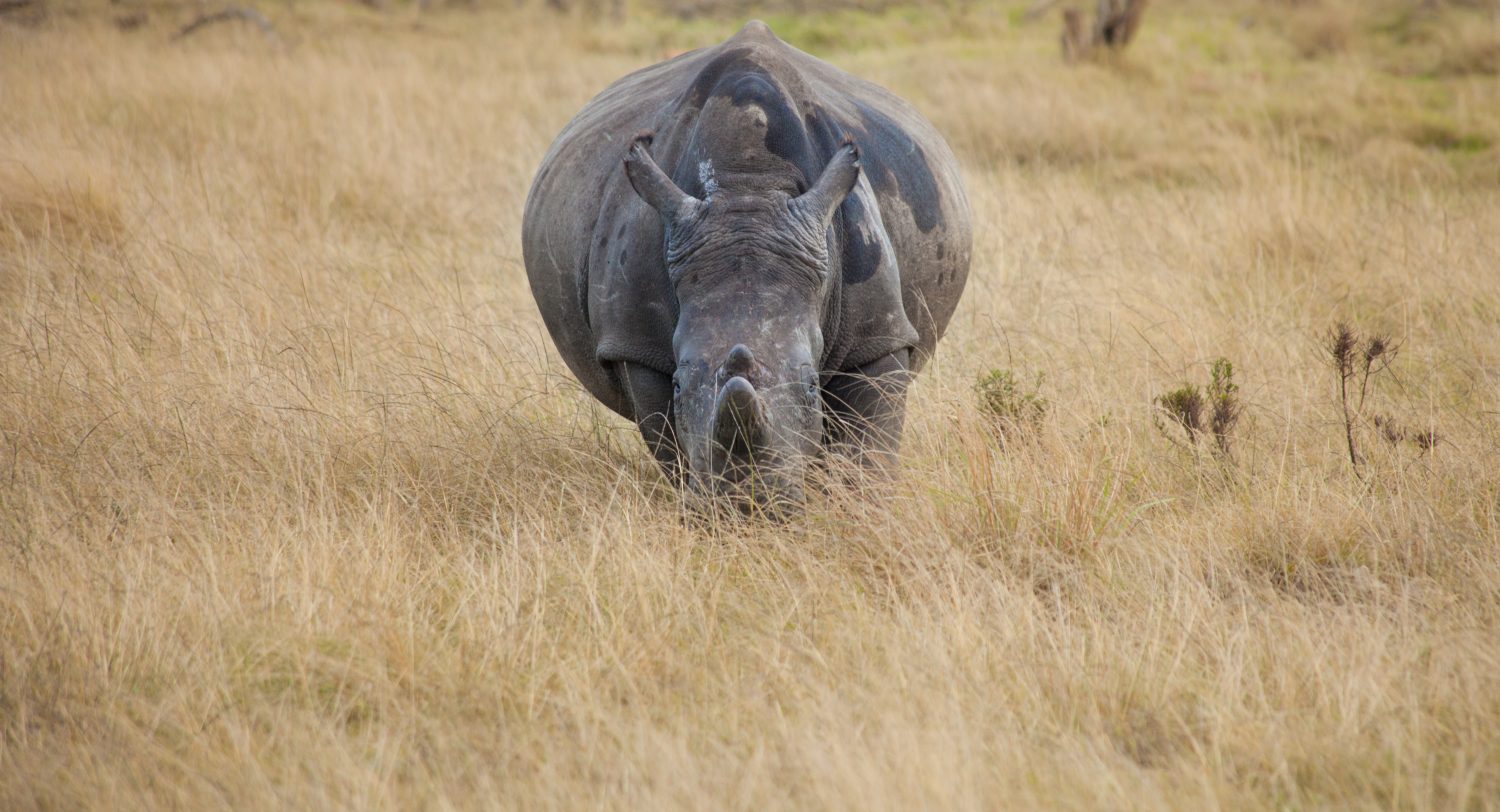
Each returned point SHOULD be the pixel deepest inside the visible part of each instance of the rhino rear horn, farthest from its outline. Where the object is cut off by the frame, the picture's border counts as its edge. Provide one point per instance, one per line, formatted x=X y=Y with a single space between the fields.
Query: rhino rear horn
x=836 y=182
x=653 y=185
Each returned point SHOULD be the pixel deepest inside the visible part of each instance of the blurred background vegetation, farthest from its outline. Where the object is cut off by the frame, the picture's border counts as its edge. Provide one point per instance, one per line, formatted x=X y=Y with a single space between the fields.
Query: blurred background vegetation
x=1400 y=84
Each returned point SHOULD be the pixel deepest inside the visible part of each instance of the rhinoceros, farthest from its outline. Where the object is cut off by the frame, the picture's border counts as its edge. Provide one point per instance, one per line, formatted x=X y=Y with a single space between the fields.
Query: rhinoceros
x=749 y=253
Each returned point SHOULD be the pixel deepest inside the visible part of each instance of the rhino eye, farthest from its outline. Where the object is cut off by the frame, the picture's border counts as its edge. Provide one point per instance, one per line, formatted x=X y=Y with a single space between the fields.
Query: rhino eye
x=810 y=383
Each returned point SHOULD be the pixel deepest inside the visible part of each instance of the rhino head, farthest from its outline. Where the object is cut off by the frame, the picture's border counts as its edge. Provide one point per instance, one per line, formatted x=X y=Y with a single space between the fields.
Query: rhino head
x=752 y=275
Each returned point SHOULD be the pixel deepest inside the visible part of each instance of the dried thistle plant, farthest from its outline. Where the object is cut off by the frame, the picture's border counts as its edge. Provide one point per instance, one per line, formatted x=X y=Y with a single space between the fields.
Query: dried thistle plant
x=1358 y=360
x=1341 y=349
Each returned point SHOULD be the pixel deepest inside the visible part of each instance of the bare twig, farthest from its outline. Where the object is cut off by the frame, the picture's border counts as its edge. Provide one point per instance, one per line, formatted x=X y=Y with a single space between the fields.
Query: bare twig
x=244 y=13
x=132 y=21
x=1075 y=45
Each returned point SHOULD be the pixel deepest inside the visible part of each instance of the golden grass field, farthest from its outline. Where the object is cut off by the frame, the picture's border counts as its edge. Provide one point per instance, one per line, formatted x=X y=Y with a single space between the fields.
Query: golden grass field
x=300 y=509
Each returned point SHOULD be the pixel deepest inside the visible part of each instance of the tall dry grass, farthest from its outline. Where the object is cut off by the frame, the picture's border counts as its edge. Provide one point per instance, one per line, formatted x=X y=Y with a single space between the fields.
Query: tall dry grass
x=298 y=507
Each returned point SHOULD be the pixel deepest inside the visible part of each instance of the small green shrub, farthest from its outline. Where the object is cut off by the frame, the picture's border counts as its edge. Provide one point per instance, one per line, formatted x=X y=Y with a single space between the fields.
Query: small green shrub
x=1199 y=413
x=1011 y=408
x=1184 y=406
x=1224 y=405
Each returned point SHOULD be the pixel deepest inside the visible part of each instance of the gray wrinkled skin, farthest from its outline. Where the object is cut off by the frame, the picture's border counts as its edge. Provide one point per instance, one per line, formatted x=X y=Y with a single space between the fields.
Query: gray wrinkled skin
x=748 y=253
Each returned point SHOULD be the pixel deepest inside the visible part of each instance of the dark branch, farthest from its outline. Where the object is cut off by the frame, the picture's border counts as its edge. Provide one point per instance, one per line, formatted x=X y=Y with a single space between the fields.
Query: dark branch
x=244 y=13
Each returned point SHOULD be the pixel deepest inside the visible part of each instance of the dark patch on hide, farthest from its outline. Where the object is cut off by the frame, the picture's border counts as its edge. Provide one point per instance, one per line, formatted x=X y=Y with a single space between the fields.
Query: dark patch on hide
x=895 y=164
x=900 y=168
x=735 y=59
x=785 y=137
x=860 y=254
x=737 y=77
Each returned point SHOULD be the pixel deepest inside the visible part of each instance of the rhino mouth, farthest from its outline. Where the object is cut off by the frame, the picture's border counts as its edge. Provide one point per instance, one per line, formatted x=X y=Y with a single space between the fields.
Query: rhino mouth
x=760 y=495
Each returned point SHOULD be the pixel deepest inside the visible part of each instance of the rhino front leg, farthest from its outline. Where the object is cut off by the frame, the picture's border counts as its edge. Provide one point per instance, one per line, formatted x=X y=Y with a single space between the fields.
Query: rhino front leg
x=866 y=410
x=650 y=395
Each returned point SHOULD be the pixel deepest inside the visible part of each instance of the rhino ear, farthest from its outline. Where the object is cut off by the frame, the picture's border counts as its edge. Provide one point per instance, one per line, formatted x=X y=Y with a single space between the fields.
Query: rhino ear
x=837 y=181
x=653 y=185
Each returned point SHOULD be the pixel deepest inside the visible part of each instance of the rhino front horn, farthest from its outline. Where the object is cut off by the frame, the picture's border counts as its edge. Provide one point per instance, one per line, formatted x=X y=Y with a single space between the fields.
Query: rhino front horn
x=739 y=416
